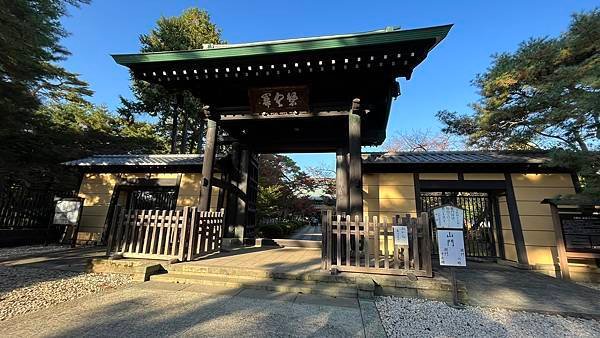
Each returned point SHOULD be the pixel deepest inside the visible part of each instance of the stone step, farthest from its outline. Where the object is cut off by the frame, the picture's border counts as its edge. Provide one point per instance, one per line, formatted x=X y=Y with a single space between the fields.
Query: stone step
x=314 y=276
x=279 y=285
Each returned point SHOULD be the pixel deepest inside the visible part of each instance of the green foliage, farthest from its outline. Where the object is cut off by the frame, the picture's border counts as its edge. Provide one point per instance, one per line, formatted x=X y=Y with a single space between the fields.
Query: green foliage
x=587 y=166
x=267 y=201
x=30 y=33
x=191 y=30
x=283 y=188
x=66 y=131
x=546 y=94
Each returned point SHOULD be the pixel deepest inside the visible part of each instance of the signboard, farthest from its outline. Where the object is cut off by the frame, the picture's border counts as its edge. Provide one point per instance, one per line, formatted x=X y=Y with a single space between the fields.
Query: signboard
x=400 y=235
x=581 y=233
x=449 y=217
x=66 y=212
x=451 y=247
x=279 y=100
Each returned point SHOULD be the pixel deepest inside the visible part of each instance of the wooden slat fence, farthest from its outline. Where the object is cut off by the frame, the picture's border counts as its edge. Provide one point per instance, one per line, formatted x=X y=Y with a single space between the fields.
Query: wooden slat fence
x=165 y=234
x=25 y=208
x=367 y=246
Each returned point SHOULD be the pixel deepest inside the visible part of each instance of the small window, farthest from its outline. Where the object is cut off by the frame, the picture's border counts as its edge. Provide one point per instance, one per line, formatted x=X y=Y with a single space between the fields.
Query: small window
x=152 y=198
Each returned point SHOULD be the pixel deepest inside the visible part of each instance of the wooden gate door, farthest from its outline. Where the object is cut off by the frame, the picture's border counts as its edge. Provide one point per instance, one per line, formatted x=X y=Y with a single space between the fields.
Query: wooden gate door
x=368 y=246
x=165 y=234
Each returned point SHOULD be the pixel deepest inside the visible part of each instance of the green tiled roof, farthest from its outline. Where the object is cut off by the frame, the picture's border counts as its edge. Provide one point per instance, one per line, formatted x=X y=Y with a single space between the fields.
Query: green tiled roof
x=379 y=37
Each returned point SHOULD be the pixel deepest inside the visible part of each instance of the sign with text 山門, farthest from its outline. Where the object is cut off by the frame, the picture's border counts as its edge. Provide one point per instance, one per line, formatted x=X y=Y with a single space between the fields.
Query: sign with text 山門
x=278 y=100
x=400 y=235
x=449 y=217
x=451 y=247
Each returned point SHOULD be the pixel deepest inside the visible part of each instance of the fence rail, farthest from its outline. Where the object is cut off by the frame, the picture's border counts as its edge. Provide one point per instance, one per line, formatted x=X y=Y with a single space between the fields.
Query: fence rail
x=356 y=245
x=165 y=234
x=25 y=208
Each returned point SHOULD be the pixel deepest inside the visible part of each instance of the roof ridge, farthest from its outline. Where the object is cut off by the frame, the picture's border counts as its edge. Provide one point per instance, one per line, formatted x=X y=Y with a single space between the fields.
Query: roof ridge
x=291 y=40
x=456 y=152
x=147 y=155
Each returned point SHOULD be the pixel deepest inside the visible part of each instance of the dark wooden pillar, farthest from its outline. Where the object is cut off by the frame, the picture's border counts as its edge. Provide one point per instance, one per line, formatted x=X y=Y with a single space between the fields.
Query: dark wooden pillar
x=242 y=206
x=341 y=181
x=515 y=221
x=232 y=210
x=210 y=149
x=354 y=161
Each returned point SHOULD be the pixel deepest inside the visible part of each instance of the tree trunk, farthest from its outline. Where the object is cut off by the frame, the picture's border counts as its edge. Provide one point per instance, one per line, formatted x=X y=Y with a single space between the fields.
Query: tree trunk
x=184 y=132
x=193 y=139
x=174 y=131
x=199 y=149
x=580 y=141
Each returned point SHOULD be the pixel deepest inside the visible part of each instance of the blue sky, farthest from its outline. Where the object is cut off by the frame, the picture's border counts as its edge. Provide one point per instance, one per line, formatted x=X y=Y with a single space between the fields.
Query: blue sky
x=442 y=81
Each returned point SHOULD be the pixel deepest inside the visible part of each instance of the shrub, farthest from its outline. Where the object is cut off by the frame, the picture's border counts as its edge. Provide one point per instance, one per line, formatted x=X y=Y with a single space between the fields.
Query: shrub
x=270 y=231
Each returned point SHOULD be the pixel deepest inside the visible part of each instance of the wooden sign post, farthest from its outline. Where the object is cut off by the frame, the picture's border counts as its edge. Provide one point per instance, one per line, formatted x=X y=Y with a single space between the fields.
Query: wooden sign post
x=450 y=223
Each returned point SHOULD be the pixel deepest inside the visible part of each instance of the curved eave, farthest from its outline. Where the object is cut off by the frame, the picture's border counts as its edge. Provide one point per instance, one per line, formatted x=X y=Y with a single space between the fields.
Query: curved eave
x=289 y=46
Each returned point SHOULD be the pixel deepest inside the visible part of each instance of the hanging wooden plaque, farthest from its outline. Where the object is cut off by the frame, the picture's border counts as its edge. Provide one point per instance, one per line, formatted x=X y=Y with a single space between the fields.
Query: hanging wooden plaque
x=278 y=100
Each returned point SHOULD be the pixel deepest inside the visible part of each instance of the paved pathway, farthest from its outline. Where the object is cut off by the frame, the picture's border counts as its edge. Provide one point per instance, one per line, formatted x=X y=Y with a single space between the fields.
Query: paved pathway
x=308 y=233
x=495 y=285
x=157 y=309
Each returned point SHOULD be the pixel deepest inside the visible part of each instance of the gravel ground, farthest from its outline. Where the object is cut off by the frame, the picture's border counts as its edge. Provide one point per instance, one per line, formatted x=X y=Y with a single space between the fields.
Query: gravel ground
x=407 y=317
x=30 y=250
x=24 y=290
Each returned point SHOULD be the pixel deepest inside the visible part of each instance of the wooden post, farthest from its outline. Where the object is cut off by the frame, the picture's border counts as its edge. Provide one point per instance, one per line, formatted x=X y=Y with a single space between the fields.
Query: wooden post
x=454 y=286
x=515 y=221
x=341 y=181
x=242 y=206
x=560 y=243
x=427 y=245
x=232 y=191
x=210 y=149
x=355 y=161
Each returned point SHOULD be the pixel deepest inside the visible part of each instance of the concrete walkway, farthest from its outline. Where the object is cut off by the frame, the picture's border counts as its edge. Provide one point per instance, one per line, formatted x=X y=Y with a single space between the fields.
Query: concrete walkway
x=495 y=285
x=157 y=309
x=307 y=233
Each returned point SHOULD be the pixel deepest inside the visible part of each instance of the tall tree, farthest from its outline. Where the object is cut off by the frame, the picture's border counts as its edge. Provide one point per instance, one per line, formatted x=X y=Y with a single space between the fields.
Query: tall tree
x=181 y=123
x=30 y=76
x=546 y=94
x=30 y=33
x=282 y=181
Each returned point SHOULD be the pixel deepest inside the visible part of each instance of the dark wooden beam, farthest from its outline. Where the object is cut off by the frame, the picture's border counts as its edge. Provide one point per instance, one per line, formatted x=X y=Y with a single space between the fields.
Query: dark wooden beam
x=242 y=205
x=498 y=221
x=467 y=185
x=341 y=180
x=355 y=160
x=515 y=221
x=209 y=160
x=417 y=187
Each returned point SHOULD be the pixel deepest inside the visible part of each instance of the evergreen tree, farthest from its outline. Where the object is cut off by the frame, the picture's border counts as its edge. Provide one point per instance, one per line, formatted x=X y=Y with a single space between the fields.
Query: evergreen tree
x=546 y=95
x=192 y=30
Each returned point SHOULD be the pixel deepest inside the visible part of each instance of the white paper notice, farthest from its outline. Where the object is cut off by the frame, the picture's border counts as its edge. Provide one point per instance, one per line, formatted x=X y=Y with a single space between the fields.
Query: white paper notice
x=449 y=217
x=400 y=235
x=451 y=246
